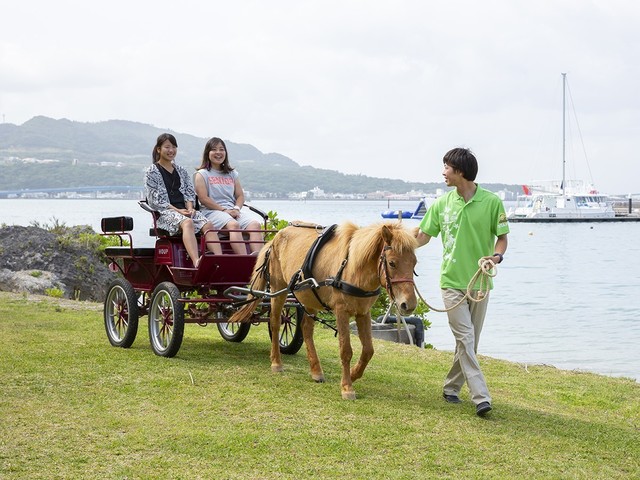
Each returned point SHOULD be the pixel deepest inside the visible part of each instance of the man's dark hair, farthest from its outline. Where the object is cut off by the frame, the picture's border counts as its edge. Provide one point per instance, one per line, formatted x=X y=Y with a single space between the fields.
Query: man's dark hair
x=463 y=160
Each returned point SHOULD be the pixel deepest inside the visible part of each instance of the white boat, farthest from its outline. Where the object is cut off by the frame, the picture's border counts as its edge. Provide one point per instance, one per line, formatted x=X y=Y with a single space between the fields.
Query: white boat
x=565 y=200
x=573 y=201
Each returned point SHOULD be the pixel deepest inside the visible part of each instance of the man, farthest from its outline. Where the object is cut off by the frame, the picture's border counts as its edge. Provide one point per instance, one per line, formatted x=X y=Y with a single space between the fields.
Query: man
x=473 y=225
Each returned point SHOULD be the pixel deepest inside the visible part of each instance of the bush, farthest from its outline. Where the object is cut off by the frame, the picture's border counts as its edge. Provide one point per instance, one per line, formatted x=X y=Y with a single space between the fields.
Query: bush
x=54 y=292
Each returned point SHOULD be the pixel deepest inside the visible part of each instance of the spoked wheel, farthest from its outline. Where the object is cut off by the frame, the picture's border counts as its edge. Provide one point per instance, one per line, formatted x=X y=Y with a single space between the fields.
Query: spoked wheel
x=166 y=320
x=121 y=313
x=290 y=329
x=234 y=332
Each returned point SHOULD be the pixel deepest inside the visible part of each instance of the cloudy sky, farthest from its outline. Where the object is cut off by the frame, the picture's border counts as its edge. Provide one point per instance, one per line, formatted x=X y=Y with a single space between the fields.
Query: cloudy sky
x=381 y=88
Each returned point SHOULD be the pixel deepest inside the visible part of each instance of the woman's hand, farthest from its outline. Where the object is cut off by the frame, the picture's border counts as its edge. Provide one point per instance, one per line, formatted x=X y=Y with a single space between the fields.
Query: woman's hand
x=187 y=212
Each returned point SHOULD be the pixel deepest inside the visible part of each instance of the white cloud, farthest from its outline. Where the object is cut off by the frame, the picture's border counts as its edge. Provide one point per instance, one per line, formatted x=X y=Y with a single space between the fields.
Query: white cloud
x=382 y=88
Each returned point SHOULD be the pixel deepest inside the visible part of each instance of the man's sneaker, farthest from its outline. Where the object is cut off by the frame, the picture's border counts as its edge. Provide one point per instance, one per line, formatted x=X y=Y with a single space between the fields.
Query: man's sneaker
x=451 y=398
x=483 y=408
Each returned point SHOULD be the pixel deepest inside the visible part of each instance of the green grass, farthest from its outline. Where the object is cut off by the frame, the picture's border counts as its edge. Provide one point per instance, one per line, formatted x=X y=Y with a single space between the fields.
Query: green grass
x=72 y=406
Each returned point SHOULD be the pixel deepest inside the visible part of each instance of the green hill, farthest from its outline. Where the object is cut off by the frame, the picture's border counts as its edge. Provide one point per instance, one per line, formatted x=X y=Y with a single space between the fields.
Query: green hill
x=116 y=152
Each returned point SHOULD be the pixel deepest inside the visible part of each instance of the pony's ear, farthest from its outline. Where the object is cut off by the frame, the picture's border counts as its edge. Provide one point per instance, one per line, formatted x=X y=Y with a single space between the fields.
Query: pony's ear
x=387 y=234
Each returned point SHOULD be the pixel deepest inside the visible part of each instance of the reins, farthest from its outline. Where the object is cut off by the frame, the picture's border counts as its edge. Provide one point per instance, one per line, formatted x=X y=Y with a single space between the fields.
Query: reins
x=486 y=270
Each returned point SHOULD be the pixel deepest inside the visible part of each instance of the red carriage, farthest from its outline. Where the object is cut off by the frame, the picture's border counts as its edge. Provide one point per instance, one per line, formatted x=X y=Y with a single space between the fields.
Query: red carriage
x=162 y=283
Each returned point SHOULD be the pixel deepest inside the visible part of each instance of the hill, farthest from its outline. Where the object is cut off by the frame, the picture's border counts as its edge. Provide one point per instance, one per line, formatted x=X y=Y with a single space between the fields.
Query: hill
x=116 y=152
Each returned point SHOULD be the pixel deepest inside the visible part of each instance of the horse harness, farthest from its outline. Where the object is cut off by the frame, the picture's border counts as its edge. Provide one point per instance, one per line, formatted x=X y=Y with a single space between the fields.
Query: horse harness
x=336 y=282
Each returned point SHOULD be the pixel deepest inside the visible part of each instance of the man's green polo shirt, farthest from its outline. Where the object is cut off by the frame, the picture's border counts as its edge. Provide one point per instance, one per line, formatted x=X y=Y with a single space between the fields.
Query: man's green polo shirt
x=468 y=232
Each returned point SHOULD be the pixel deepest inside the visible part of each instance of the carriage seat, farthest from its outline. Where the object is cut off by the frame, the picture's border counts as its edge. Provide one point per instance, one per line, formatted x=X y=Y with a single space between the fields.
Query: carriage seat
x=159 y=232
x=112 y=252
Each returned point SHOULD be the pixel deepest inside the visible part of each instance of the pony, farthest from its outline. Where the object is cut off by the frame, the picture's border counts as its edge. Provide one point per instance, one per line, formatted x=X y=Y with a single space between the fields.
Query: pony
x=356 y=262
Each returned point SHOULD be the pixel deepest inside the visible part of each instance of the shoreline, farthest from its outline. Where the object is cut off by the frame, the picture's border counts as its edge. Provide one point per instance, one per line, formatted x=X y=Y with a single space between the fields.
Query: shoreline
x=248 y=200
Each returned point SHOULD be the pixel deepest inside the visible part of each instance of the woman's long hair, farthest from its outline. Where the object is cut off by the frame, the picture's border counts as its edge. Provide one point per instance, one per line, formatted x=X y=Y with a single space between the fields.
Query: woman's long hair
x=155 y=155
x=225 y=167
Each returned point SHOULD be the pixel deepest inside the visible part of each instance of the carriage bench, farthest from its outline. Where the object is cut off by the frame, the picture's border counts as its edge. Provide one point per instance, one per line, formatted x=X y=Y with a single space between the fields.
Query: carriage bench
x=129 y=252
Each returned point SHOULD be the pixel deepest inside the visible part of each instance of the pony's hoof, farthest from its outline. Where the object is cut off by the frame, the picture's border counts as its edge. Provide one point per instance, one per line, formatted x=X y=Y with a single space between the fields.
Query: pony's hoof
x=318 y=378
x=277 y=368
x=348 y=395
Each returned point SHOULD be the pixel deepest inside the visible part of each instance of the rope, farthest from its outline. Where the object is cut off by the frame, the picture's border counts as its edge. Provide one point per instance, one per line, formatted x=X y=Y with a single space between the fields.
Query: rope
x=486 y=270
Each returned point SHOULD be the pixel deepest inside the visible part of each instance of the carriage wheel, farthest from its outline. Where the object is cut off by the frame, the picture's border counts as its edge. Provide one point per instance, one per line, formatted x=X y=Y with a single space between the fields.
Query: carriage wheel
x=166 y=320
x=121 y=313
x=290 y=329
x=234 y=332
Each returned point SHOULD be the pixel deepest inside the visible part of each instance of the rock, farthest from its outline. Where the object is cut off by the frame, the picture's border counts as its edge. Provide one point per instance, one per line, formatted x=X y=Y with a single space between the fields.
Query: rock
x=35 y=260
x=27 y=281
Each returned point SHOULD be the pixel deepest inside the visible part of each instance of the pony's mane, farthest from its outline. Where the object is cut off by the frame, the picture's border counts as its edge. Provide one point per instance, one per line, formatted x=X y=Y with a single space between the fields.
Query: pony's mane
x=403 y=239
x=364 y=244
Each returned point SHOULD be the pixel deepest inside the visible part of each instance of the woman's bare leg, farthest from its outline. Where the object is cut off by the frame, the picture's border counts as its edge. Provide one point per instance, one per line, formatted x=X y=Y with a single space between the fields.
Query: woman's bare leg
x=211 y=239
x=256 y=240
x=189 y=240
x=235 y=238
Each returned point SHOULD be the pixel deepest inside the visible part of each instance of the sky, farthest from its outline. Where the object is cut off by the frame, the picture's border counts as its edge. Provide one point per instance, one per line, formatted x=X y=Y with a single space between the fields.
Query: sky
x=378 y=88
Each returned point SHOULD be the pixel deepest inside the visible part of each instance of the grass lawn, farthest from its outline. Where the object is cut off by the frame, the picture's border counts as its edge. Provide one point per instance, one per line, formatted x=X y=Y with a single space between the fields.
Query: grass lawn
x=73 y=406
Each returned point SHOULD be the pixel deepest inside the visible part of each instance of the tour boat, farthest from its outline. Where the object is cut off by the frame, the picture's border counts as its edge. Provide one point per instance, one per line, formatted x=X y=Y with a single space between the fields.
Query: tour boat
x=396 y=214
x=565 y=200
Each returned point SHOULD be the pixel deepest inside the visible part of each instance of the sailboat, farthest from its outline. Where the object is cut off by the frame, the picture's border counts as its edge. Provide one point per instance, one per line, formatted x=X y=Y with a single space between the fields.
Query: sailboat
x=565 y=200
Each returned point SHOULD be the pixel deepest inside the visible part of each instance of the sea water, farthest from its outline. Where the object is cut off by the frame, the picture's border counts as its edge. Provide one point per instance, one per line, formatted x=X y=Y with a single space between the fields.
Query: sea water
x=566 y=295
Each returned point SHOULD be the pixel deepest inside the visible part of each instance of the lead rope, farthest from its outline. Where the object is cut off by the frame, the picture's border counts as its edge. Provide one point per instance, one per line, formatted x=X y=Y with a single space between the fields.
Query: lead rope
x=486 y=270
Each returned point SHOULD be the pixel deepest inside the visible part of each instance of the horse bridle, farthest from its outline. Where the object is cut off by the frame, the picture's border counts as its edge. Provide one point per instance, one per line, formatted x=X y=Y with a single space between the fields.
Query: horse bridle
x=383 y=267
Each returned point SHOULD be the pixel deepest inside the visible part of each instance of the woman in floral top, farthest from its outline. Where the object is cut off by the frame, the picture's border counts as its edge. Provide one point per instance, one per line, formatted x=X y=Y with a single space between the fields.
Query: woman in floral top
x=170 y=192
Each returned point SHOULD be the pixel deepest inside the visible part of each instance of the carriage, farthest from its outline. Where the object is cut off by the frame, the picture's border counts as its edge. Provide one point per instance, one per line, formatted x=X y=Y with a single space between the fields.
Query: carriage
x=280 y=287
x=161 y=283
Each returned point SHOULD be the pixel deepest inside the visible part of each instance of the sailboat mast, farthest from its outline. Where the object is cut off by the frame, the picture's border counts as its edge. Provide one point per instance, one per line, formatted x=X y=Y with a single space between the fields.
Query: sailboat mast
x=564 y=144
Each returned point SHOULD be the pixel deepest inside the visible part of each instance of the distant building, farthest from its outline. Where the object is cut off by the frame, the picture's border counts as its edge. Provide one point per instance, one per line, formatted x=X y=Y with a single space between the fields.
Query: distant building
x=317 y=192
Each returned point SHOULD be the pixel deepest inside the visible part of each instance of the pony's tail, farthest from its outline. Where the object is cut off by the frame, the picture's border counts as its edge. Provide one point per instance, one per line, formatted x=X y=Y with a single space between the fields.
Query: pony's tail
x=258 y=283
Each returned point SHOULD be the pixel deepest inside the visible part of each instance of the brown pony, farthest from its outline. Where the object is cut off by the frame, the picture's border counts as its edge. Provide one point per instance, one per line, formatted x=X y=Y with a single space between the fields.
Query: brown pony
x=362 y=257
